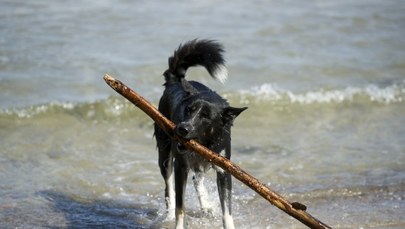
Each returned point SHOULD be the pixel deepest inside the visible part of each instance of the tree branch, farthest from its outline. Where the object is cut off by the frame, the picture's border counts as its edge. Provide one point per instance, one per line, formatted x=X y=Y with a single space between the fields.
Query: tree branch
x=296 y=210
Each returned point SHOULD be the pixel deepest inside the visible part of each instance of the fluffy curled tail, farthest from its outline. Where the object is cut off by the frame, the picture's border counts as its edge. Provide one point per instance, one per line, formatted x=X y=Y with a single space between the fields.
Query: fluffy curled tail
x=206 y=53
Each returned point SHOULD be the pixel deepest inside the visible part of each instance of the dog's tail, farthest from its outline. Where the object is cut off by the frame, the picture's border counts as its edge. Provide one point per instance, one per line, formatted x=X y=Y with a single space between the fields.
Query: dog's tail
x=206 y=53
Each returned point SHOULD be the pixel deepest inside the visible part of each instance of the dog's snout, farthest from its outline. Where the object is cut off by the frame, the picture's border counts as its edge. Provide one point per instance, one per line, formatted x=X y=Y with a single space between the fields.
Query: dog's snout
x=183 y=129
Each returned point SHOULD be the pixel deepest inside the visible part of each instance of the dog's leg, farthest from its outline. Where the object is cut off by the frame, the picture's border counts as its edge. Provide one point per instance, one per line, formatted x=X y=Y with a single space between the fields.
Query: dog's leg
x=181 y=172
x=224 y=182
x=202 y=193
x=166 y=169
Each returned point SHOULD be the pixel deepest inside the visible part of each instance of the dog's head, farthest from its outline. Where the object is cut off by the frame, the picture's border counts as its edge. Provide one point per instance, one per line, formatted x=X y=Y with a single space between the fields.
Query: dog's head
x=205 y=121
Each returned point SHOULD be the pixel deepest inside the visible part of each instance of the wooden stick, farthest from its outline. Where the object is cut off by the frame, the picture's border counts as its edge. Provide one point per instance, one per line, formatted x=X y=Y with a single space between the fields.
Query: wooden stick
x=296 y=210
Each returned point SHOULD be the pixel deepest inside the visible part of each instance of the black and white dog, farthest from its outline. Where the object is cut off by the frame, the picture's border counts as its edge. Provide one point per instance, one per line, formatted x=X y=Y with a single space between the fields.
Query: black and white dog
x=201 y=114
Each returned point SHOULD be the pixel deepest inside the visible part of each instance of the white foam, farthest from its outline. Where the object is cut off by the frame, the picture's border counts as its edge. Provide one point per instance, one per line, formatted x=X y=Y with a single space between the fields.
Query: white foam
x=39 y=109
x=389 y=94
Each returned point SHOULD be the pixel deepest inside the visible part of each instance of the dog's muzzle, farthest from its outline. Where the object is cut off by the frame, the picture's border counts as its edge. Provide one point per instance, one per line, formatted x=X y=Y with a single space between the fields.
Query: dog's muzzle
x=184 y=130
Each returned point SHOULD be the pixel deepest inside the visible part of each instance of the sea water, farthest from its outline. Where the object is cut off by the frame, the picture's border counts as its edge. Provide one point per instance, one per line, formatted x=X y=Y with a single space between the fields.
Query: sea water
x=324 y=82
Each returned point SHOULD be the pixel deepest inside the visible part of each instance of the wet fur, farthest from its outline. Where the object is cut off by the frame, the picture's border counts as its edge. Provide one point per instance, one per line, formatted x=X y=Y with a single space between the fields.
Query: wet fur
x=199 y=114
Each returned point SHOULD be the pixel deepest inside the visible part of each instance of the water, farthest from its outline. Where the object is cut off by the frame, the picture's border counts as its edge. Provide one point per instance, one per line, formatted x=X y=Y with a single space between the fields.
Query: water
x=323 y=80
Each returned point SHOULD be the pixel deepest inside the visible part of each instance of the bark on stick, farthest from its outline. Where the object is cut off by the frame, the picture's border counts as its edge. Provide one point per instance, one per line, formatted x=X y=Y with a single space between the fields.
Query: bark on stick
x=296 y=210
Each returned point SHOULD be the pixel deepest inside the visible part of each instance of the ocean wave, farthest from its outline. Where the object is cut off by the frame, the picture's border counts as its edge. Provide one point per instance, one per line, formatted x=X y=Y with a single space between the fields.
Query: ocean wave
x=113 y=107
x=272 y=92
x=117 y=107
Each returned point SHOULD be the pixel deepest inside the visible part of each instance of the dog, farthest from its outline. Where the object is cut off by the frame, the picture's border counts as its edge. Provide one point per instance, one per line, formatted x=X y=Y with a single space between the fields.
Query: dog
x=200 y=114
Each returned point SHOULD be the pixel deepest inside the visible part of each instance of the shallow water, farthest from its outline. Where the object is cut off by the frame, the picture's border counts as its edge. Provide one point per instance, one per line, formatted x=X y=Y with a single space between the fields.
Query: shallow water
x=324 y=83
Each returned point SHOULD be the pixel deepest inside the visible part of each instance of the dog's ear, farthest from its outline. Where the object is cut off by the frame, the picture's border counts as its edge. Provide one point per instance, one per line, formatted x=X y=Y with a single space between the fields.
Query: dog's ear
x=230 y=113
x=188 y=88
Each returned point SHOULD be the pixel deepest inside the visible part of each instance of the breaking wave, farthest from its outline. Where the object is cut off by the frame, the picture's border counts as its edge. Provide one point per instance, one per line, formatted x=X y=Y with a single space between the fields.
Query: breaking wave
x=271 y=92
x=113 y=107
x=117 y=107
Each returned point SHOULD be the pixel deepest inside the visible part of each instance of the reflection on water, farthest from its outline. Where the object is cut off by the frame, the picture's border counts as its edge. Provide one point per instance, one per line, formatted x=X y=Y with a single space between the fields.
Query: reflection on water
x=84 y=213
